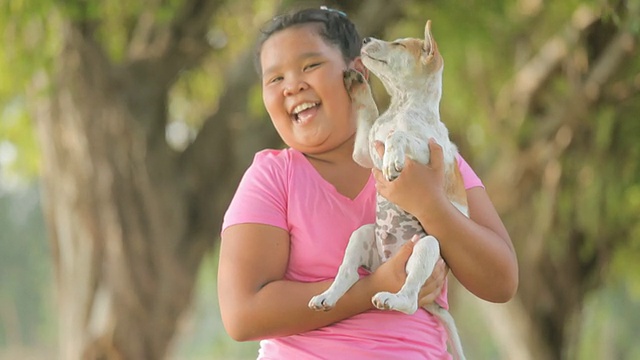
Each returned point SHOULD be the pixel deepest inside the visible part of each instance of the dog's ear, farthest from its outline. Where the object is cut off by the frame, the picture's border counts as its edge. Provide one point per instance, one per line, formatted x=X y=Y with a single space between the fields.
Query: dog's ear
x=359 y=65
x=430 y=47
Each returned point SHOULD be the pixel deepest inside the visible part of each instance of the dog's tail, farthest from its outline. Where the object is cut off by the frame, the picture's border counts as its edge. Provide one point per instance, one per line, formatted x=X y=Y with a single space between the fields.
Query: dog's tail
x=447 y=320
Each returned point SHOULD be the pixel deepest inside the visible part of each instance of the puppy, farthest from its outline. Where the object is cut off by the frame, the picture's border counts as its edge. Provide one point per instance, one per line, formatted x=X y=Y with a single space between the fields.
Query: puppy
x=411 y=71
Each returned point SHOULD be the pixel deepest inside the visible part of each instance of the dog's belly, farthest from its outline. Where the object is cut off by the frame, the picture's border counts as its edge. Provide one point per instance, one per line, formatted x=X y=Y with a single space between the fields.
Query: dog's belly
x=394 y=227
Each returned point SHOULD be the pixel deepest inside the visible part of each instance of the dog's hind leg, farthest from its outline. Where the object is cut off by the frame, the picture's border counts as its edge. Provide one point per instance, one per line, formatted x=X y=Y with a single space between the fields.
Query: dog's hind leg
x=361 y=251
x=425 y=254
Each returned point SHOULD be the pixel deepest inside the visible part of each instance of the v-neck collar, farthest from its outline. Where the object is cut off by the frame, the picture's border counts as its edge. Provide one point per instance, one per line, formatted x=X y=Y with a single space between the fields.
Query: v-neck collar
x=329 y=186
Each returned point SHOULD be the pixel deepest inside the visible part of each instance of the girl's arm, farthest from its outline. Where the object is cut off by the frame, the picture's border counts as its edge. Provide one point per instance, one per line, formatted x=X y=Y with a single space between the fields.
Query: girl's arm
x=256 y=302
x=478 y=249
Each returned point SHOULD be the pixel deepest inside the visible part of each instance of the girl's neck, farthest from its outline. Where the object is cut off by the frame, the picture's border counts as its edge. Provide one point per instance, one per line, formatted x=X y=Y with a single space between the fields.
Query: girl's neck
x=339 y=169
x=340 y=155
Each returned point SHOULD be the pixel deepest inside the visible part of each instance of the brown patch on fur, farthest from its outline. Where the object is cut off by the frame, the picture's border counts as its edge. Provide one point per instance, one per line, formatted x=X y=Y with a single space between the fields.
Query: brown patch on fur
x=432 y=58
x=419 y=48
x=455 y=185
x=414 y=46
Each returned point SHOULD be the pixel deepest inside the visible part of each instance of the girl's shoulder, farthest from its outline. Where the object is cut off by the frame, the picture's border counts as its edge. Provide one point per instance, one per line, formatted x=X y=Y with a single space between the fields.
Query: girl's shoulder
x=276 y=157
x=279 y=162
x=470 y=178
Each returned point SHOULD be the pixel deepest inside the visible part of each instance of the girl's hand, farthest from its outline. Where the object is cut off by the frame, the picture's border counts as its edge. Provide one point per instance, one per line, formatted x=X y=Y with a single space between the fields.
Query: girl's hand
x=419 y=186
x=392 y=274
x=432 y=289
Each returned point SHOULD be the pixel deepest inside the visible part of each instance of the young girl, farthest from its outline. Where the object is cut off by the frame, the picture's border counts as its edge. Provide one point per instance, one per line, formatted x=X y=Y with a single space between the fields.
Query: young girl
x=287 y=227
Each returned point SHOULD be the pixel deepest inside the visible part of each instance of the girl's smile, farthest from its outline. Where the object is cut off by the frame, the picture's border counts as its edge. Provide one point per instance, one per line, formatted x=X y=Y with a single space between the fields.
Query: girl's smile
x=302 y=113
x=303 y=90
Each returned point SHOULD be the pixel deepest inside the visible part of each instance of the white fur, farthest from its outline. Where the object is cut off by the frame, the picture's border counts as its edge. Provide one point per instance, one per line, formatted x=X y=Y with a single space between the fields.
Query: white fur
x=414 y=81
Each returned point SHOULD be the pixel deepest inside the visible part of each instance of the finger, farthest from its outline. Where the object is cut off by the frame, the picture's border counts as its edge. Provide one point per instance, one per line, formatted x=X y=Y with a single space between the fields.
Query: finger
x=445 y=267
x=408 y=163
x=402 y=256
x=377 y=175
x=433 y=286
x=407 y=248
x=415 y=238
x=437 y=157
x=429 y=299
x=440 y=266
x=442 y=270
x=375 y=171
x=430 y=292
x=379 y=147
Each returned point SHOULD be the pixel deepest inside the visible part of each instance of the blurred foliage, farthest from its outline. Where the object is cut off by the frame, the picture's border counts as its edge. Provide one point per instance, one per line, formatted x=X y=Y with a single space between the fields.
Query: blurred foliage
x=30 y=47
x=611 y=322
x=26 y=293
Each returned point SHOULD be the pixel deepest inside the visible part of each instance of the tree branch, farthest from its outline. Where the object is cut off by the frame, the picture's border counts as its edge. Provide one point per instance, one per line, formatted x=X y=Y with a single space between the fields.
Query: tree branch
x=515 y=98
x=172 y=47
x=620 y=47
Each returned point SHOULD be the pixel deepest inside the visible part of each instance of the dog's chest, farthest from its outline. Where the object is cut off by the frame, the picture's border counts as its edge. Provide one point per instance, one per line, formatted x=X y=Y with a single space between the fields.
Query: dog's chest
x=414 y=122
x=382 y=127
x=394 y=227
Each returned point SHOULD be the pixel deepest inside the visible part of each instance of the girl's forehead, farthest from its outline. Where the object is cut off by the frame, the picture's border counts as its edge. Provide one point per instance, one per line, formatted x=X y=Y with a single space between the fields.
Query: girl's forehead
x=296 y=40
x=301 y=33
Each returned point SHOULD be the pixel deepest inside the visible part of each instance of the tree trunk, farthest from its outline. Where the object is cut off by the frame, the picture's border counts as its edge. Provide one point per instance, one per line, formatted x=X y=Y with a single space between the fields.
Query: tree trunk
x=118 y=208
x=129 y=218
x=534 y=180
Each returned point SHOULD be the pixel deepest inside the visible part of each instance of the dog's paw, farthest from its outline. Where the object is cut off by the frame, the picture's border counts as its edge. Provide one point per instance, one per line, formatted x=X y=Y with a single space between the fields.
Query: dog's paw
x=353 y=78
x=392 y=163
x=356 y=84
x=322 y=302
x=389 y=301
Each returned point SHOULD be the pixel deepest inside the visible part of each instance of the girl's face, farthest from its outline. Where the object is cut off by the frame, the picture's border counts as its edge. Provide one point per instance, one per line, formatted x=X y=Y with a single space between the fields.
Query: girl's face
x=303 y=90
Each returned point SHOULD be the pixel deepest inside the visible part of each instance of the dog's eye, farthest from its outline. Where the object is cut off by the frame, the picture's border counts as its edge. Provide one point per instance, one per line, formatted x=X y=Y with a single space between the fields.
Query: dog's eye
x=397 y=44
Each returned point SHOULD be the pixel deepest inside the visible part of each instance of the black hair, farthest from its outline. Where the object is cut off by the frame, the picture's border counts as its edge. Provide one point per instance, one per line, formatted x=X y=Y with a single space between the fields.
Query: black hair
x=335 y=27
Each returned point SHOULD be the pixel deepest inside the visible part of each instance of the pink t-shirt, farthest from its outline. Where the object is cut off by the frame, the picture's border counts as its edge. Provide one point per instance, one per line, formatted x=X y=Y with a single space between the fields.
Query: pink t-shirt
x=281 y=188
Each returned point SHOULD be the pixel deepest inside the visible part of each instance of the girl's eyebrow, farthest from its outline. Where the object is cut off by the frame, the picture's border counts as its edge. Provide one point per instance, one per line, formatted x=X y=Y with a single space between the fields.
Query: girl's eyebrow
x=303 y=56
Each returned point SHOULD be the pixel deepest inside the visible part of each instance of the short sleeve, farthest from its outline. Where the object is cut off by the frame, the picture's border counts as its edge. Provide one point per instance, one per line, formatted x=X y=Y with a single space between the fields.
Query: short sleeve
x=261 y=196
x=469 y=177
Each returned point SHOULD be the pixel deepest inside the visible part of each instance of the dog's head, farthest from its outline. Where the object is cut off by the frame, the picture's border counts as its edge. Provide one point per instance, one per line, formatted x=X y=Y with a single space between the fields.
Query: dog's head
x=399 y=64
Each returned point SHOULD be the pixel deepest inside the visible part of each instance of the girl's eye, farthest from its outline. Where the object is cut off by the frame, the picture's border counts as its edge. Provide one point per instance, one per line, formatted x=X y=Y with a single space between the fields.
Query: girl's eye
x=311 y=66
x=274 y=80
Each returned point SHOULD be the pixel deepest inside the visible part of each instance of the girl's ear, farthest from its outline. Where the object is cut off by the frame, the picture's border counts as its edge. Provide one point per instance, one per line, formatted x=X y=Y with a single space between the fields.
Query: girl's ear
x=358 y=65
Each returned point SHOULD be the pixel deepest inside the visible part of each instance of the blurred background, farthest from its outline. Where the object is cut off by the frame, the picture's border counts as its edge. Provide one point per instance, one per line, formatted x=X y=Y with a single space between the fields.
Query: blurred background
x=126 y=124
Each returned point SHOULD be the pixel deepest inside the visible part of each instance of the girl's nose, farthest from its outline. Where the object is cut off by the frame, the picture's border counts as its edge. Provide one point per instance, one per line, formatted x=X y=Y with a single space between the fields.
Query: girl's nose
x=295 y=87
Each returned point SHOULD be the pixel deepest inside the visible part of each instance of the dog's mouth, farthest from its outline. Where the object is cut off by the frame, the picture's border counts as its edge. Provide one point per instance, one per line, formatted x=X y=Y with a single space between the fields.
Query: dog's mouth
x=373 y=58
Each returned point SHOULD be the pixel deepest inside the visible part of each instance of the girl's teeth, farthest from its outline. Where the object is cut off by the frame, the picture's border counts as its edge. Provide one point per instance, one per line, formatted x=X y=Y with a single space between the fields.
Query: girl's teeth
x=303 y=107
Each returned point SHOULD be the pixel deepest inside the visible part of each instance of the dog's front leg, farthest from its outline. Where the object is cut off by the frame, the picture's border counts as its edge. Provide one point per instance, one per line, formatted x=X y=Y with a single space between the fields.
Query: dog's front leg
x=366 y=112
x=394 y=154
x=425 y=254
x=361 y=251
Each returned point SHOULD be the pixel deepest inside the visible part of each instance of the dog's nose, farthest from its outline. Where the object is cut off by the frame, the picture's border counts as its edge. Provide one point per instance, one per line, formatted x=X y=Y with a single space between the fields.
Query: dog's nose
x=366 y=40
